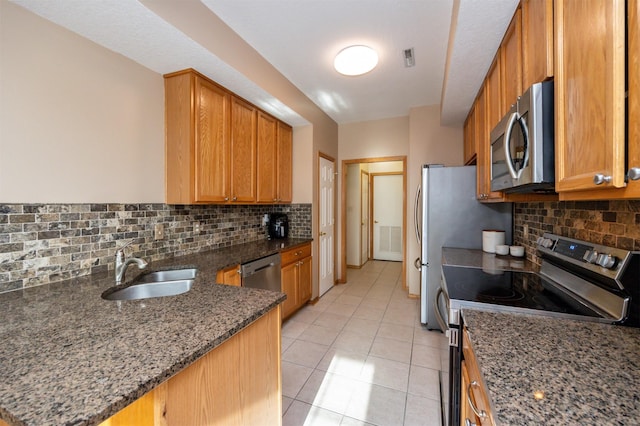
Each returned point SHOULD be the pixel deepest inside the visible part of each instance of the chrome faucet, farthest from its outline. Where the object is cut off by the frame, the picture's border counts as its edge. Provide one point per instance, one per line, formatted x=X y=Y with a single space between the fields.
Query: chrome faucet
x=121 y=263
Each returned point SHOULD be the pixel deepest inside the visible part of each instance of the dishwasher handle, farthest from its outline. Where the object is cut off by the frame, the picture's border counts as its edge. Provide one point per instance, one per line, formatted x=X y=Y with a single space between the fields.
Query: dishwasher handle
x=263 y=267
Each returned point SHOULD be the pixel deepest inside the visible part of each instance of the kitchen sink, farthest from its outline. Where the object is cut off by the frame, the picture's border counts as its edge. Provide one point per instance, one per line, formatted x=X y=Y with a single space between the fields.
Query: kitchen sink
x=169 y=275
x=154 y=284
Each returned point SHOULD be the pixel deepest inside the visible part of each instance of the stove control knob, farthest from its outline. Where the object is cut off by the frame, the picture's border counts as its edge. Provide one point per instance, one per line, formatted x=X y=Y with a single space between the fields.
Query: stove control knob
x=607 y=261
x=545 y=242
x=590 y=256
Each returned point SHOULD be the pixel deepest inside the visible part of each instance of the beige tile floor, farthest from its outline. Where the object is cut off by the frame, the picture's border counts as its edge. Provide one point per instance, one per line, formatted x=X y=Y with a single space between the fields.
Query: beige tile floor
x=360 y=356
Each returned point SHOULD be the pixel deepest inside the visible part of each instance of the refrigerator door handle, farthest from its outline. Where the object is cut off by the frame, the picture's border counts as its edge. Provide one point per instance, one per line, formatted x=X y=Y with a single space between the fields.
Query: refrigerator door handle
x=417 y=264
x=415 y=215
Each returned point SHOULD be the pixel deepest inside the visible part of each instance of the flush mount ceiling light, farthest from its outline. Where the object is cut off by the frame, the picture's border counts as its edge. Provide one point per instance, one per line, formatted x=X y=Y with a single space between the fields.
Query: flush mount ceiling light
x=355 y=60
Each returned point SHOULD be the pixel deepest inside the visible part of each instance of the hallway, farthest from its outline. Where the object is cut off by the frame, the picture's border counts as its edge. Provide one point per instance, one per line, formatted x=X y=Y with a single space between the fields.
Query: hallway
x=360 y=356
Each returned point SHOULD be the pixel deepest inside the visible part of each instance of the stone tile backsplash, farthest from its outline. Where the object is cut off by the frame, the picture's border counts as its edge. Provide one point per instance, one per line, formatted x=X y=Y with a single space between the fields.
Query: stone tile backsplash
x=45 y=243
x=612 y=223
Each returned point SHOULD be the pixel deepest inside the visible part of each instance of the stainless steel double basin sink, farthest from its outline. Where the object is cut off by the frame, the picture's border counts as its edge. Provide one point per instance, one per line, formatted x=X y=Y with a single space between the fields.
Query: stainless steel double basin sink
x=154 y=284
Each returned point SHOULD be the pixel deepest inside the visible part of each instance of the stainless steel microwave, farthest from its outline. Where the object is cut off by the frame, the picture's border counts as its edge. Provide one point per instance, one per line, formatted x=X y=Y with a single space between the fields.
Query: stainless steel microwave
x=522 y=152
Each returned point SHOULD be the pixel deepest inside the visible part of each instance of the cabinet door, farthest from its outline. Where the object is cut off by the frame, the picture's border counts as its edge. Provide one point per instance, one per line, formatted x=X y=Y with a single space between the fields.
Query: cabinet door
x=537 y=41
x=469 y=139
x=289 y=280
x=243 y=151
x=589 y=89
x=229 y=276
x=493 y=96
x=634 y=96
x=211 y=142
x=511 y=62
x=304 y=280
x=483 y=170
x=285 y=163
x=267 y=160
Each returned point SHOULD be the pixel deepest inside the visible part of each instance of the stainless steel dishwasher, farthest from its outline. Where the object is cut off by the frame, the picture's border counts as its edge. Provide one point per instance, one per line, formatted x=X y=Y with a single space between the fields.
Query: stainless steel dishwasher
x=262 y=273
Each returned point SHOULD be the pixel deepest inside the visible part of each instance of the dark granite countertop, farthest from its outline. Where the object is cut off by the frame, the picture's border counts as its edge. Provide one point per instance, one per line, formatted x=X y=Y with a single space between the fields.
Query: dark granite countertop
x=69 y=357
x=588 y=372
x=489 y=261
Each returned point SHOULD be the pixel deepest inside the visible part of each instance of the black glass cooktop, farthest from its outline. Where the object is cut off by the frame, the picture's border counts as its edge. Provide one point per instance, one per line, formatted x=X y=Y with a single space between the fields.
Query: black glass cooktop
x=512 y=289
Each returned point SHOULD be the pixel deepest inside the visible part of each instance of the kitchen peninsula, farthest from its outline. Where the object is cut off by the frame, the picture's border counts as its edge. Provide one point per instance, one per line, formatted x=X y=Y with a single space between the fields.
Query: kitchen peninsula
x=70 y=357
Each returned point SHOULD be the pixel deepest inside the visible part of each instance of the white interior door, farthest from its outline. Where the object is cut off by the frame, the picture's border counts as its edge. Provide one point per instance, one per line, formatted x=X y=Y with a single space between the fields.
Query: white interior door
x=326 y=224
x=387 y=217
x=364 y=214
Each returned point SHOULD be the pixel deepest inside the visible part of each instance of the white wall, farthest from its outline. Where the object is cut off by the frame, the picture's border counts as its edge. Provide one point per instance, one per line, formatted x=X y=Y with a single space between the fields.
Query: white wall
x=78 y=123
x=429 y=143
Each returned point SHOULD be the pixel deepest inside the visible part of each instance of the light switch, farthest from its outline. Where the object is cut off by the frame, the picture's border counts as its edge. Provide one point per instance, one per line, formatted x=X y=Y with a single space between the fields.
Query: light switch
x=158 y=233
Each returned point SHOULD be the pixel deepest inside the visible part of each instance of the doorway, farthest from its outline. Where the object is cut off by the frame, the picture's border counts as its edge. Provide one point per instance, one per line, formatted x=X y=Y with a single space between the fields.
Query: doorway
x=326 y=223
x=357 y=231
x=387 y=230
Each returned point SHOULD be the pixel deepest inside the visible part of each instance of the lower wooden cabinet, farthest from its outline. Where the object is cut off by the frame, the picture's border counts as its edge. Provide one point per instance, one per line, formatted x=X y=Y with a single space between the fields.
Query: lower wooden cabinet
x=296 y=278
x=227 y=386
x=474 y=402
x=229 y=276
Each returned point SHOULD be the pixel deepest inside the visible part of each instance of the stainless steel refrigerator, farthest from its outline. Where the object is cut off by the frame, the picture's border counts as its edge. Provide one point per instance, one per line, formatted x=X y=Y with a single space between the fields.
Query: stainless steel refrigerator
x=447 y=214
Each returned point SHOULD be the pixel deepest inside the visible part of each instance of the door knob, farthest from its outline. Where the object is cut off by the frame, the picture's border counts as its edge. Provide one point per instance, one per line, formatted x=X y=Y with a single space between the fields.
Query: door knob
x=375 y=221
x=322 y=234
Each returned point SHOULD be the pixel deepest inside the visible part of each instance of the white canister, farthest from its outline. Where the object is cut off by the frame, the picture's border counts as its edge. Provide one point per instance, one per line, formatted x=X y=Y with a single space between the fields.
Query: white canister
x=490 y=239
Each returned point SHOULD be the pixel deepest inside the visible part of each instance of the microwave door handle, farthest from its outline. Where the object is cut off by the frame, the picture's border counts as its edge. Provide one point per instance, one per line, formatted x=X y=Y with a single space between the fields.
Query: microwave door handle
x=507 y=146
x=527 y=147
x=415 y=215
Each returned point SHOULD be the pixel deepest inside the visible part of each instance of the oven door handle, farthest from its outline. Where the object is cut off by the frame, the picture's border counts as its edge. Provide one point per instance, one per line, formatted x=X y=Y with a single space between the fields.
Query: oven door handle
x=439 y=316
x=513 y=119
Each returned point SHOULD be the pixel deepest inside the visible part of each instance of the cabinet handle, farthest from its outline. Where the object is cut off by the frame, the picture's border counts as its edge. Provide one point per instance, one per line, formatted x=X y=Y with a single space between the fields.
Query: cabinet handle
x=634 y=173
x=480 y=413
x=599 y=179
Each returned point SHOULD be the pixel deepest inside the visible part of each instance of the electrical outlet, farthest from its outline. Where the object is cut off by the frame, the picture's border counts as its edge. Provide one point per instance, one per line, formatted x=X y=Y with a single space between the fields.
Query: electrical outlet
x=525 y=231
x=158 y=231
x=265 y=219
x=197 y=228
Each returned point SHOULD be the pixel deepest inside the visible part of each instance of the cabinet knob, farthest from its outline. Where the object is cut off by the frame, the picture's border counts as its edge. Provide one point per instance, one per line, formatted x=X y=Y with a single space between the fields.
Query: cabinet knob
x=468 y=422
x=275 y=199
x=634 y=173
x=599 y=179
x=235 y=198
x=226 y=198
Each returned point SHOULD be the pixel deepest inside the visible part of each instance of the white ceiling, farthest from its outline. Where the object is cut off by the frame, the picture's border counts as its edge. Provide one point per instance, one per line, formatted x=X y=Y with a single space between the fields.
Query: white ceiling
x=301 y=37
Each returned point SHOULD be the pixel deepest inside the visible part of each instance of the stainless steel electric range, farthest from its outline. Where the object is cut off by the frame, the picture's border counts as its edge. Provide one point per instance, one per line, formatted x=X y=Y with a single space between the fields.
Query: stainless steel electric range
x=577 y=280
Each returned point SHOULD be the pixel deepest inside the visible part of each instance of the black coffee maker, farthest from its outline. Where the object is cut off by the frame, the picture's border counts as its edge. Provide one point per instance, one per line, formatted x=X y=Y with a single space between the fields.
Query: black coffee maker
x=278 y=225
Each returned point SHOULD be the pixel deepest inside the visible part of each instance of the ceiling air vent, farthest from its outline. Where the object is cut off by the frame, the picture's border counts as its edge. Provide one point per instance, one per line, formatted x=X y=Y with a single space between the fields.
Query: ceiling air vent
x=409 y=59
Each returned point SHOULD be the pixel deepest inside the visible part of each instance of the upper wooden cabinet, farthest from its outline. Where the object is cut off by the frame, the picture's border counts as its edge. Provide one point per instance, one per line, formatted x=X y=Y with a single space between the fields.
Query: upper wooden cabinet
x=243 y=151
x=274 y=160
x=604 y=150
x=469 y=137
x=197 y=139
x=217 y=144
x=511 y=62
x=285 y=163
x=267 y=158
x=483 y=172
x=537 y=41
x=590 y=94
x=493 y=93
